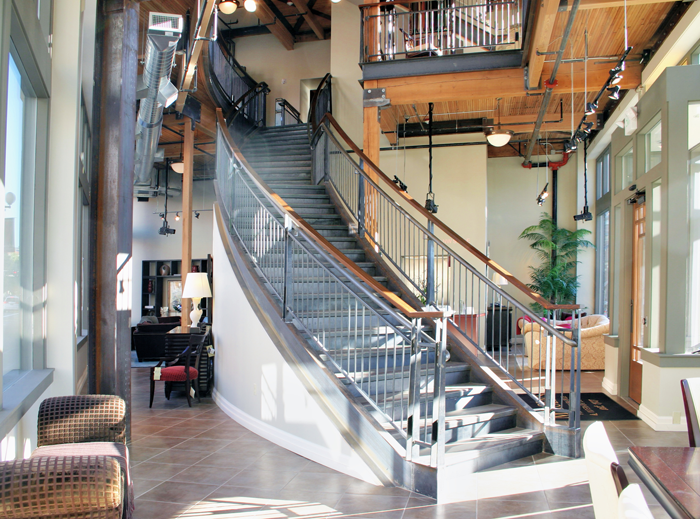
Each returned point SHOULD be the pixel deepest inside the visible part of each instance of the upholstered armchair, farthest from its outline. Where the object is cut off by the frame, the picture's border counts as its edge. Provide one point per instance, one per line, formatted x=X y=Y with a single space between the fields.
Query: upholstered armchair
x=81 y=463
x=593 y=327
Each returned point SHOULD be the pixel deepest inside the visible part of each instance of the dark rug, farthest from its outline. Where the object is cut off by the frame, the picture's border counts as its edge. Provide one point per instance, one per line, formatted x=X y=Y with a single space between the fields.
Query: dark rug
x=594 y=406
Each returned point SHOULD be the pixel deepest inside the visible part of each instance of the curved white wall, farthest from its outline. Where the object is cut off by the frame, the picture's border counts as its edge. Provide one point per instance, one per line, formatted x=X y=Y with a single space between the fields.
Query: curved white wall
x=256 y=387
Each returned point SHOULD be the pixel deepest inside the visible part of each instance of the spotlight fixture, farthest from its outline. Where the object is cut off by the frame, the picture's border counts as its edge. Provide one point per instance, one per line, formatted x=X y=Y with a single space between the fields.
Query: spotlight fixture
x=250 y=6
x=196 y=215
x=543 y=195
x=587 y=127
x=498 y=137
x=402 y=186
x=228 y=6
x=177 y=217
x=585 y=215
x=614 y=92
x=567 y=148
x=591 y=108
x=162 y=216
x=615 y=76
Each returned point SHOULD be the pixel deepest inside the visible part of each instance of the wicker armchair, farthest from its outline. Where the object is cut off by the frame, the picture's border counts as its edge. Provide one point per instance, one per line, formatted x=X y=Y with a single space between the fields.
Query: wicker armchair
x=76 y=434
x=75 y=487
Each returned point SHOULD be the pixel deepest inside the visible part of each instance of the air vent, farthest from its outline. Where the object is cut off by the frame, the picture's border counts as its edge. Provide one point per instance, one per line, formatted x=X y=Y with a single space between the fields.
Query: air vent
x=167 y=24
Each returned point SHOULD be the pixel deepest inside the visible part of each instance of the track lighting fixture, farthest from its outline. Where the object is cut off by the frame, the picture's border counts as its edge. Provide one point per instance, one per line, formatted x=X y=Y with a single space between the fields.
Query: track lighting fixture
x=250 y=6
x=228 y=6
x=587 y=127
x=402 y=186
x=591 y=108
x=614 y=92
x=196 y=215
x=543 y=195
x=162 y=216
x=177 y=217
x=615 y=76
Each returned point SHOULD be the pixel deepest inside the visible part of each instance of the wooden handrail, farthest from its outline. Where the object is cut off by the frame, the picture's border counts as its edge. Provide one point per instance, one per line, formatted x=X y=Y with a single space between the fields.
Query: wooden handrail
x=408 y=2
x=392 y=298
x=442 y=226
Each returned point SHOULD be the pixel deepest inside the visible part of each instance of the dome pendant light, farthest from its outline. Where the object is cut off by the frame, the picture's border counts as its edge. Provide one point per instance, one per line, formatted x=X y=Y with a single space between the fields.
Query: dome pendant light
x=498 y=137
x=250 y=6
x=228 y=6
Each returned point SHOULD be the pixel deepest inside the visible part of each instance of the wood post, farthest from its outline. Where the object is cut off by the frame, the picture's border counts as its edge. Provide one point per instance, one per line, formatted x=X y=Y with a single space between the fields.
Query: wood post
x=187 y=178
x=116 y=63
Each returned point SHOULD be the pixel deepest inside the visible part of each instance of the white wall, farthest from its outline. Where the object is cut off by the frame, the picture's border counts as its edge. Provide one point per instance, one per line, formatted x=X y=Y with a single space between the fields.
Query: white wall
x=265 y=60
x=149 y=245
x=256 y=387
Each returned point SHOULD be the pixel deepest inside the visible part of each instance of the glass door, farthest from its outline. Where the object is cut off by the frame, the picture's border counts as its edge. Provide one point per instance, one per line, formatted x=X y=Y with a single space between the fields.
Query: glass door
x=639 y=320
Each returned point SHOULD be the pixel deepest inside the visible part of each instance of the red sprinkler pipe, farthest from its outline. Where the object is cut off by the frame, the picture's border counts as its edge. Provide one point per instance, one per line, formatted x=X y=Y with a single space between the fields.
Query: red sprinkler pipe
x=553 y=165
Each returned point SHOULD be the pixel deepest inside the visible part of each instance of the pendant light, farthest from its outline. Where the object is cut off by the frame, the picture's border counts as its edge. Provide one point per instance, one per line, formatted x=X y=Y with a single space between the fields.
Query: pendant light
x=228 y=6
x=498 y=137
x=250 y=6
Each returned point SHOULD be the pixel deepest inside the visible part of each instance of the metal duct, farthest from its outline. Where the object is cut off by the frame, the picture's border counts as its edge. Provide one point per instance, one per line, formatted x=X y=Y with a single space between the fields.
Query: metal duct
x=155 y=89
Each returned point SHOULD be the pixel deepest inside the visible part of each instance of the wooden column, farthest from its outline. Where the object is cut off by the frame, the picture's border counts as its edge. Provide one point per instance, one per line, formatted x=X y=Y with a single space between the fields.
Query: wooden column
x=370 y=147
x=187 y=177
x=116 y=63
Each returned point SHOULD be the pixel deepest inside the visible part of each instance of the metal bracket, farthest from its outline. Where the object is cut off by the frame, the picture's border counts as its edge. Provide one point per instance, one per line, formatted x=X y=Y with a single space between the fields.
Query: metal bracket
x=551 y=85
x=563 y=6
x=375 y=97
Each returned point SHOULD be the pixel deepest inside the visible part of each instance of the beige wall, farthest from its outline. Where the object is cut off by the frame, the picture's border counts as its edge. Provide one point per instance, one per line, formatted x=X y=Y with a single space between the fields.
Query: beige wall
x=512 y=191
x=345 y=49
x=266 y=60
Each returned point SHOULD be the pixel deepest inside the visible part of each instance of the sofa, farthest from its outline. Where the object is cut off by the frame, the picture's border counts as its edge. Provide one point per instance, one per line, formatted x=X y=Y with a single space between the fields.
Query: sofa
x=148 y=338
x=593 y=327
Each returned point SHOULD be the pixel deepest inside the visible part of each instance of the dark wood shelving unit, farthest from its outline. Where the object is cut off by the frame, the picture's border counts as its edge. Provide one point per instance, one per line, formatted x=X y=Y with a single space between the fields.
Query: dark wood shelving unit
x=154 y=284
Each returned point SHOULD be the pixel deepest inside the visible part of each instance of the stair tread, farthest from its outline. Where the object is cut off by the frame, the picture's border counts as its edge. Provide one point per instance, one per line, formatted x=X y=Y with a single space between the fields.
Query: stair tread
x=472 y=415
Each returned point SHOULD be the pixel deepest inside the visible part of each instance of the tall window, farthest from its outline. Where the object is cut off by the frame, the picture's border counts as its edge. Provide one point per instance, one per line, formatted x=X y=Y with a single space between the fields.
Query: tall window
x=603 y=263
x=14 y=257
x=602 y=172
x=82 y=229
x=652 y=147
x=624 y=174
x=693 y=295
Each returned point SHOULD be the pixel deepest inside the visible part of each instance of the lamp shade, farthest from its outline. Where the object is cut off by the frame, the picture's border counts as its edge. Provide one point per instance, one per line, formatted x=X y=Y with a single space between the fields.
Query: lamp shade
x=228 y=6
x=498 y=137
x=498 y=279
x=196 y=285
x=178 y=167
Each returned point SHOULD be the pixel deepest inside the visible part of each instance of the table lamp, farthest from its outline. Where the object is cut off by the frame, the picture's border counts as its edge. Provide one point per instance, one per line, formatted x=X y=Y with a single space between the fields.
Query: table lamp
x=196 y=287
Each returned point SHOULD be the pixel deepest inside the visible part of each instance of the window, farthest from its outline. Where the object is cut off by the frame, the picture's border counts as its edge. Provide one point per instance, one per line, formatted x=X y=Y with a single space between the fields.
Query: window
x=652 y=147
x=82 y=228
x=693 y=295
x=15 y=258
x=603 y=263
x=602 y=171
x=625 y=170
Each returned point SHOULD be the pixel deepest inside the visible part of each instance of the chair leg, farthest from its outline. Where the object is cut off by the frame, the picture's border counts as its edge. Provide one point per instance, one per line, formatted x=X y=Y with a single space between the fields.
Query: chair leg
x=196 y=389
x=153 y=388
x=188 y=387
x=168 y=389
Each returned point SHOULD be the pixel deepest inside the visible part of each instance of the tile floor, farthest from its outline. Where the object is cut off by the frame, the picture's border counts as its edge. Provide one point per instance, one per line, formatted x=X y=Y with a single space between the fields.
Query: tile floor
x=197 y=463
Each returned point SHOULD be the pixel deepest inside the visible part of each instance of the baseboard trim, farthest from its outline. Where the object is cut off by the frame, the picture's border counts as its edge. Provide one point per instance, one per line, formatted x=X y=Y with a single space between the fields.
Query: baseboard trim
x=609 y=386
x=322 y=455
x=660 y=423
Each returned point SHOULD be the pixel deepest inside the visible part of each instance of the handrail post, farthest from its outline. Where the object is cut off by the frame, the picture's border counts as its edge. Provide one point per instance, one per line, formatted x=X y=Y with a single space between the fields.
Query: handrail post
x=413 y=422
x=287 y=274
x=437 y=437
x=575 y=378
x=430 y=270
x=360 y=204
x=550 y=340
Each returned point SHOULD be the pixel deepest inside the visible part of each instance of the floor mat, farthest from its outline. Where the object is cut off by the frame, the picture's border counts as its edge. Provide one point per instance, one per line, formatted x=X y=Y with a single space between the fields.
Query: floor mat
x=136 y=364
x=594 y=406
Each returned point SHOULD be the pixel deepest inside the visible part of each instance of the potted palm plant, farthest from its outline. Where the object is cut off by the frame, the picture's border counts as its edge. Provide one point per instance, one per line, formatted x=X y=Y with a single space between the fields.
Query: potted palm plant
x=555 y=278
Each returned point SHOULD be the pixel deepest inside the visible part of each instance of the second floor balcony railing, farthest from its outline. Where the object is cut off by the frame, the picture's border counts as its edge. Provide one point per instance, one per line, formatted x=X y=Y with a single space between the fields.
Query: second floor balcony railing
x=407 y=29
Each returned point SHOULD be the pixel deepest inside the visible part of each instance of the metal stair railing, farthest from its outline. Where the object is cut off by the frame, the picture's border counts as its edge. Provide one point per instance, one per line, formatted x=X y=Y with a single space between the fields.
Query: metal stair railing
x=227 y=76
x=539 y=361
x=407 y=28
x=339 y=306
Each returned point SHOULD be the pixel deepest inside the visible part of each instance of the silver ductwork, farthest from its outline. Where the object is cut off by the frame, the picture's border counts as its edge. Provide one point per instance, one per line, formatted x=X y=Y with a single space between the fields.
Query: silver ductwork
x=155 y=89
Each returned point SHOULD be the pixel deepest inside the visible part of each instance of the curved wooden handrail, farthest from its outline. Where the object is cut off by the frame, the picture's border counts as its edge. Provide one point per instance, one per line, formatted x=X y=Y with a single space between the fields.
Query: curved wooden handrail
x=314 y=100
x=386 y=294
x=442 y=226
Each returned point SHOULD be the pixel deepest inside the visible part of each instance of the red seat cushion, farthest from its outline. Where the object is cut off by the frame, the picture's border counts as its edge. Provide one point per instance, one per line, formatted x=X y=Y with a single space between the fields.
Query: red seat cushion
x=177 y=374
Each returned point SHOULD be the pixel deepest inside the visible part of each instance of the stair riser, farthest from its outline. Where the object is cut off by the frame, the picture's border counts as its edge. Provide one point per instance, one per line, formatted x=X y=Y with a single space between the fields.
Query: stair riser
x=345 y=344
x=334 y=323
x=284 y=190
x=453 y=403
x=479 y=429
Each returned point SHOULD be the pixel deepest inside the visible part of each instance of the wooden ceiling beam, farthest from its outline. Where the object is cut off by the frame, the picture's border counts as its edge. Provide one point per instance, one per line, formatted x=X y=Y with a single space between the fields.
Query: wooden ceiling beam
x=542 y=35
x=490 y=84
x=267 y=17
x=190 y=68
x=552 y=123
x=310 y=18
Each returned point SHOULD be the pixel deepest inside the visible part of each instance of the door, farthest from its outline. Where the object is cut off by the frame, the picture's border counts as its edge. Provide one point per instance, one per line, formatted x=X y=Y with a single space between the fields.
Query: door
x=639 y=319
